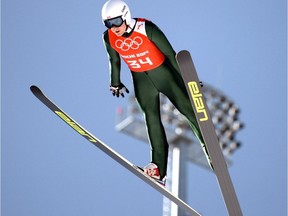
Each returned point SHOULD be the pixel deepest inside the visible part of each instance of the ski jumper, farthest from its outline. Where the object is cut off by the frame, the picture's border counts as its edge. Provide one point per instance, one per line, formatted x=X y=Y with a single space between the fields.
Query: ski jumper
x=154 y=69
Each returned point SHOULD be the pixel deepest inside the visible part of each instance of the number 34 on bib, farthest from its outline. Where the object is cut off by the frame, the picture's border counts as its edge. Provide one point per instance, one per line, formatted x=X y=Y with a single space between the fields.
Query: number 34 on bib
x=139 y=63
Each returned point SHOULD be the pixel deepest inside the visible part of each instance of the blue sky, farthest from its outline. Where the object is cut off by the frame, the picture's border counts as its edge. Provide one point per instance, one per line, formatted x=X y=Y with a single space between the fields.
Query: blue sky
x=239 y=47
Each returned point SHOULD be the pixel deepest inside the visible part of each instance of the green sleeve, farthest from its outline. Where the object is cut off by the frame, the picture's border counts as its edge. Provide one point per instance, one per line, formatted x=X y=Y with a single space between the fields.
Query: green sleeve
x=160 y=40
x=114 y=61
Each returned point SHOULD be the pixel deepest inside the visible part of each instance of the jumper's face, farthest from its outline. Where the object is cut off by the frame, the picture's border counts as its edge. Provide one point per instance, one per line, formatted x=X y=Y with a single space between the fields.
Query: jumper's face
x=119 y=31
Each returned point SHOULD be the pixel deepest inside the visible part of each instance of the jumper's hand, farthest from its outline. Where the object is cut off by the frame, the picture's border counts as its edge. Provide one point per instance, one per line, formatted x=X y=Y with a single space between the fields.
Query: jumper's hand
x=118 y=90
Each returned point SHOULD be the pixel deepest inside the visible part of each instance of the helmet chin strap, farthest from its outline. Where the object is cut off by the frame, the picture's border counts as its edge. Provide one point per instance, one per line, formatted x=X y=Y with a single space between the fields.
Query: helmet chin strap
x=130 y=26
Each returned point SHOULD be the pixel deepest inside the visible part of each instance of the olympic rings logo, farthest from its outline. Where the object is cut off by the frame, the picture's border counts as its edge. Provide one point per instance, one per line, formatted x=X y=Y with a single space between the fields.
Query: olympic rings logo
x=129 y=43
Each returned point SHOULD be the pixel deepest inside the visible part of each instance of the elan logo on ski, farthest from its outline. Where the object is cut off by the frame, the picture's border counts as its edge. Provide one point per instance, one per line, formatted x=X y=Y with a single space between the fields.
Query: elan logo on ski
x=198 y=100
x=75 y=126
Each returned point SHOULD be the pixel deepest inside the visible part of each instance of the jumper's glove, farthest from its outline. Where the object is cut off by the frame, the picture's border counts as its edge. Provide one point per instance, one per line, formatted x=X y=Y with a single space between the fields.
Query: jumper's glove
x=118 y=90
x=201 y=83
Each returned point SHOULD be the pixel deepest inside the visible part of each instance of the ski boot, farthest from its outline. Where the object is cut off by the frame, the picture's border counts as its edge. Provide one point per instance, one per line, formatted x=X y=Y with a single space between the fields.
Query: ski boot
x=153 y=171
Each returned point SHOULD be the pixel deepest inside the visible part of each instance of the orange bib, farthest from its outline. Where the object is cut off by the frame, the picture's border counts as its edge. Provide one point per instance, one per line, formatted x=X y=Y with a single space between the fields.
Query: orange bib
x=139 y=53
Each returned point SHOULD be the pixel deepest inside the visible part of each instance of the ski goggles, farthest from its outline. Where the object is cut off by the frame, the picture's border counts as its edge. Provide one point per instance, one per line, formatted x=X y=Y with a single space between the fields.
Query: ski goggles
x=117 y=22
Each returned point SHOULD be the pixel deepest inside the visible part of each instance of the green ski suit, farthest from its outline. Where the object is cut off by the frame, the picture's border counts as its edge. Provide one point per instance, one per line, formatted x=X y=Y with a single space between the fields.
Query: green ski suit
x=165 y=79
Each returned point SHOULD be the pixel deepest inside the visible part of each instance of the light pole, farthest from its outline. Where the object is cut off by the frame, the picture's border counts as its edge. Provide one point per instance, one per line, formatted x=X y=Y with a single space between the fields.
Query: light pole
x=183 y=146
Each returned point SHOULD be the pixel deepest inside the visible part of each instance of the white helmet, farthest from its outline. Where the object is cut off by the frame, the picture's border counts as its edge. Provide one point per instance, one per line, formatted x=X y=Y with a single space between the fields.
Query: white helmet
x=116 y=8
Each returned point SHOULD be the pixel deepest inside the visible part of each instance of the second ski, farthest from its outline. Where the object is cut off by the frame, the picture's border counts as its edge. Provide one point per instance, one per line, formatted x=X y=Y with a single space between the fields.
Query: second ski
x=203 y=116
x=109 y=151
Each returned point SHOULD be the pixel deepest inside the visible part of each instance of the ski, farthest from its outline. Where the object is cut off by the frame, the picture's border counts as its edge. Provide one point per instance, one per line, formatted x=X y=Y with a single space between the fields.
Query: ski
x=203 y=116
x=109 y=151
